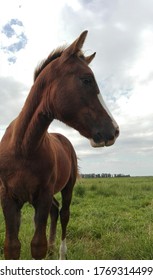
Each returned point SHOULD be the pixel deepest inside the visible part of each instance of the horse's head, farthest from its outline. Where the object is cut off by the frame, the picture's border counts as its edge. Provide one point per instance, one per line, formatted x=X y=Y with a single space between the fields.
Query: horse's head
x=76 y=97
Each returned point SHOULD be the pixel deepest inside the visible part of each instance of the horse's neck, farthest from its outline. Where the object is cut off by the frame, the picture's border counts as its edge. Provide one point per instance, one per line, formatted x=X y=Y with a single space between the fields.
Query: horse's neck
x=32 y=123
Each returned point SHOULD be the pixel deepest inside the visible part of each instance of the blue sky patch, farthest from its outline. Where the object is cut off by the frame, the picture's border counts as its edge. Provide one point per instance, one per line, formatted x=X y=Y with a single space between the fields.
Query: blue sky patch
x=8 y=30
x=20 y=39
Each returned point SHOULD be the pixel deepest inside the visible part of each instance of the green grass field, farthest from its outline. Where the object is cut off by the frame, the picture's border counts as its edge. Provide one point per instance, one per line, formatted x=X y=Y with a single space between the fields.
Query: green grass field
x=111 y=218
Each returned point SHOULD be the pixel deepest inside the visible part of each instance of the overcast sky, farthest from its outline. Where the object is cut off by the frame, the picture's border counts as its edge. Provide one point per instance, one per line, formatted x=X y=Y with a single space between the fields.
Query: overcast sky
x=121 y=33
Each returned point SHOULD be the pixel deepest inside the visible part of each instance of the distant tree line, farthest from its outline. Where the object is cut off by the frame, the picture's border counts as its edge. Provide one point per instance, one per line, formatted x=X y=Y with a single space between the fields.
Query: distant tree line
x=103 y=175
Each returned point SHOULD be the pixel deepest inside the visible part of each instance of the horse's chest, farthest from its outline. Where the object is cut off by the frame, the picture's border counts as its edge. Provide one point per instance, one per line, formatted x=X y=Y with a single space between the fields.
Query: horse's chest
x=23 y=179
x=21 y=184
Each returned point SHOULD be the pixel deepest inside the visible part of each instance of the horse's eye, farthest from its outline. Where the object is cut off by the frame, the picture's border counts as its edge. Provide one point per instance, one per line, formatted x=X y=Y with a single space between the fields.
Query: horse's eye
x=87 y=80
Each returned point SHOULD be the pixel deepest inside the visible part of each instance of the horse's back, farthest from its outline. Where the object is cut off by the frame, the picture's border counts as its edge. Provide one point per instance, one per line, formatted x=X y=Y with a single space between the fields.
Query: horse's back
x=61 y=140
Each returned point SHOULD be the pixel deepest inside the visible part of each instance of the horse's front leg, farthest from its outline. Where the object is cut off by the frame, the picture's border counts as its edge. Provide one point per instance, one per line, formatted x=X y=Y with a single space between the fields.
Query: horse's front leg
x=12 y=213
x=39 y=242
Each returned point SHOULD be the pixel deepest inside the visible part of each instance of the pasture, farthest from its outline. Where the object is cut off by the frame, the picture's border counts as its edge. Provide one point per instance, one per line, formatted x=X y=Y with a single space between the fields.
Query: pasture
x=111 y=218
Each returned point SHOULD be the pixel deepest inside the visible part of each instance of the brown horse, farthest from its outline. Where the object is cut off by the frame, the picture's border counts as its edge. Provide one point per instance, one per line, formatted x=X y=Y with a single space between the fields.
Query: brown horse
x=35 y=165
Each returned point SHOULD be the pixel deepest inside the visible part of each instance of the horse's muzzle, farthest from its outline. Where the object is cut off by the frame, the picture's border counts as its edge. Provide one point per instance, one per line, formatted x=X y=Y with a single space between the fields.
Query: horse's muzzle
x=99 y=141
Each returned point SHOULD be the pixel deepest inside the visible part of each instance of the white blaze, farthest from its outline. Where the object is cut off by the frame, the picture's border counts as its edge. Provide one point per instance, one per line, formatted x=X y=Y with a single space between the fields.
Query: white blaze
x=110 y=142
x=102 y=102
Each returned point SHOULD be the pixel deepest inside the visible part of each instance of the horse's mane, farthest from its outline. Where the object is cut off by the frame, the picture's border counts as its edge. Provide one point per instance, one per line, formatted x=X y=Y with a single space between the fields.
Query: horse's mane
x=53 y=55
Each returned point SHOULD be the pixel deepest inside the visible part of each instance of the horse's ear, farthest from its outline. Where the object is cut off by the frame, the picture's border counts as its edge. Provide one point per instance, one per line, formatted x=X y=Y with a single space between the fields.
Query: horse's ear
x=89 y=58
x=76 y=46
x=78 y=43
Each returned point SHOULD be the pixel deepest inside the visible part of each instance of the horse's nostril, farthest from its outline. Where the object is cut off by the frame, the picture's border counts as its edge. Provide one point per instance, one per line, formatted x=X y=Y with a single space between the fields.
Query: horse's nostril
x=117 y=132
